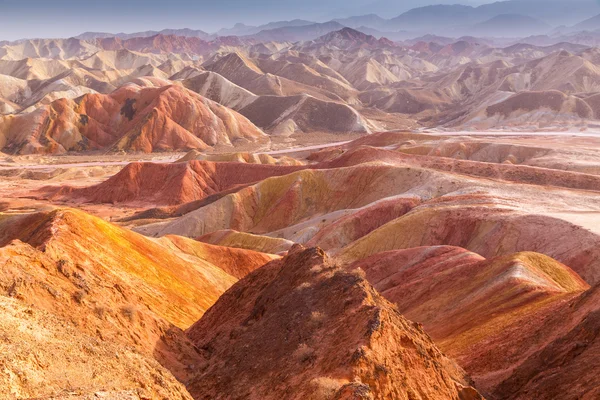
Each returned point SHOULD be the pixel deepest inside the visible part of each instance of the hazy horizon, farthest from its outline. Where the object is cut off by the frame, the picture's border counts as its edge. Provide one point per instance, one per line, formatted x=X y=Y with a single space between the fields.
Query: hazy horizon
x=65 y=18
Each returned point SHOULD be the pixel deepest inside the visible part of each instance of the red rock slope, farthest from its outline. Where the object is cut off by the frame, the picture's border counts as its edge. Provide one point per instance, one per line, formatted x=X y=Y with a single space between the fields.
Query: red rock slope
x=171 y=184
x=567 y=367
x=303 y=328
x=45 y=357
x=115 y=289
x=490 y=315
x=132 y=118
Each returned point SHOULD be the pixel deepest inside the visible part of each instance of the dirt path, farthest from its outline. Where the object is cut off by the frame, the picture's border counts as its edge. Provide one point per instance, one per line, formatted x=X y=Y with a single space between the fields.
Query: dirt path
x=292 y=150
x=301 y=149
x=158 y=160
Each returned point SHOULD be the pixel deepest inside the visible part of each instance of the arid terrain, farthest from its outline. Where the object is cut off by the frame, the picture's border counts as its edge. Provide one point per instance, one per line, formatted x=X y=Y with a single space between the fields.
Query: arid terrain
x=303 y=211
x=489 y=243
x=175 y=93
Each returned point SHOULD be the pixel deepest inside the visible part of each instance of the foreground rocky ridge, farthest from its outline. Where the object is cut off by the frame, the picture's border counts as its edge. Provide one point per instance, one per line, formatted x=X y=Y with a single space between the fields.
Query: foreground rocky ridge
x=307 y=329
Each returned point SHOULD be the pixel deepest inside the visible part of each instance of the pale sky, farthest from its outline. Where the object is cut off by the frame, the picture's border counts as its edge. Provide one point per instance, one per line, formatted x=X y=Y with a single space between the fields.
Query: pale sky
x=66 y=18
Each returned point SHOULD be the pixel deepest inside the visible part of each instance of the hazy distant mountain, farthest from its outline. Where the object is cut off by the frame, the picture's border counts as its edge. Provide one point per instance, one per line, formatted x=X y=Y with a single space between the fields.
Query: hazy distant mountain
x=348 y=37
x=437 y=19
x=373 y=21
x=586 y=32
x=176 y=32
x=396 y=36
x=393 y=8
x=590 y=24
x=371 y=24
x=244 y=30
x=238 y=29
x=441 y=40
x=508 y=25
x=297 y=33
x=513 y=18
x=95 y=35
x=434 y=19
x=553 y=12
x=586 y=38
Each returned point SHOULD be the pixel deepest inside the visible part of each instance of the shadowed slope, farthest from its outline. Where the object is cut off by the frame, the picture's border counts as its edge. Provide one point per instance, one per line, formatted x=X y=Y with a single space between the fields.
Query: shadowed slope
x=303 y=113
x=277 y=111
x=244 y=72
x=567 y=366
x=477 y=310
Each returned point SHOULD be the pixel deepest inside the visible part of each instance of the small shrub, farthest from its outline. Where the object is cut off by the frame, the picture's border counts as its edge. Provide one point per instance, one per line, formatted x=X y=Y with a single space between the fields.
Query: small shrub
x=375 y=323
x=78 y=296
x=79 y=281
x=382 y=369
x=359 y=273
x=316 y=269
x=63 y=267
x=302 y=286
x=129 y=312
x=325 y=387
x=305 y=353
x=100 y=311
x=316 y=321
x=317 y=316
x=50 y=290
x=358 y=355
